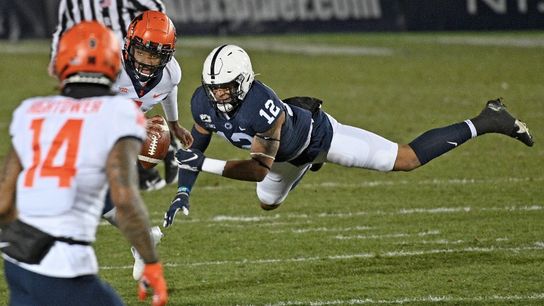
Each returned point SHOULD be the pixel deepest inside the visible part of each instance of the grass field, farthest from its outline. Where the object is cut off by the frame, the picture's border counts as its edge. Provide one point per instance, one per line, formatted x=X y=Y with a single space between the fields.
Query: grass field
x=466 y=229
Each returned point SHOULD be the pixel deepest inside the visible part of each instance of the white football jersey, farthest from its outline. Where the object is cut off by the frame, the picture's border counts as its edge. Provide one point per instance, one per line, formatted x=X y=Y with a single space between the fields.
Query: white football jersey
x=63 y=145
x=151 y=94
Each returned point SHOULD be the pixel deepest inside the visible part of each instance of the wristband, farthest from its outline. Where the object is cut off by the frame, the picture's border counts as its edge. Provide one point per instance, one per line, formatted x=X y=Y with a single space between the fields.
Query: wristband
x=184 y=190
x=214 y=166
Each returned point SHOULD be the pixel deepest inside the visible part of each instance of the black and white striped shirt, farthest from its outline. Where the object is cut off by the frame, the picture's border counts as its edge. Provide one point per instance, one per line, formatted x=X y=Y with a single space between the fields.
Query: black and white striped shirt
x=115 y=14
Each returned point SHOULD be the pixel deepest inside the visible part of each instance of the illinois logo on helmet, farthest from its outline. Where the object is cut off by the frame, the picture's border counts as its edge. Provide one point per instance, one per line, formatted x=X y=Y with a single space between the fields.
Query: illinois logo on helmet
x=149 y=45
x=88 y=53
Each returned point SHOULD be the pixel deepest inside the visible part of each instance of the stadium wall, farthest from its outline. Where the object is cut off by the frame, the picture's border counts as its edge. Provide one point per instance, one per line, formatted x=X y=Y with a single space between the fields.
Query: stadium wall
x=36 y=19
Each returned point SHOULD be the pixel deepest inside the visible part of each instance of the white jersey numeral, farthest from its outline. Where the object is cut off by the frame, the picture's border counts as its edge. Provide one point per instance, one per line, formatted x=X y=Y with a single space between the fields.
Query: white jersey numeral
x=271 y=111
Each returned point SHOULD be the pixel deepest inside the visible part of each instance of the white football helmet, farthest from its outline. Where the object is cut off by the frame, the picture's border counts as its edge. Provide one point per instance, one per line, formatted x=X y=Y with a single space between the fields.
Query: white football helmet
x=227 y=67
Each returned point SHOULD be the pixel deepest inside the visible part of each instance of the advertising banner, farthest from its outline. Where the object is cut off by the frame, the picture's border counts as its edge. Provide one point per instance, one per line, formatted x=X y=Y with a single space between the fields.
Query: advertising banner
x=37 y=19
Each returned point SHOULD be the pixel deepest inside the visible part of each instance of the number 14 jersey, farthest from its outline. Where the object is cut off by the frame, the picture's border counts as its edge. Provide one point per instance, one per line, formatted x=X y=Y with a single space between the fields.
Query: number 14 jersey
x=63 y=145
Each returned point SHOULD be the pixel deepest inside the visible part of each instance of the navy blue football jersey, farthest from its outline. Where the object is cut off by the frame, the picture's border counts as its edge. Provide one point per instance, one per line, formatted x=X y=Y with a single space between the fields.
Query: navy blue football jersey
x=256 y=114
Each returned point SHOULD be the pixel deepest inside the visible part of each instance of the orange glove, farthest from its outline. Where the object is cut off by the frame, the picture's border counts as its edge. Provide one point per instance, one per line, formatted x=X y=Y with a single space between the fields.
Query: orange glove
x=153 y=277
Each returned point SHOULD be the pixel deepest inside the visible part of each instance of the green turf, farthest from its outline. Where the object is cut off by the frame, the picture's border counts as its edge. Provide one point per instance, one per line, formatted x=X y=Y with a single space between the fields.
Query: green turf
x=465 y=229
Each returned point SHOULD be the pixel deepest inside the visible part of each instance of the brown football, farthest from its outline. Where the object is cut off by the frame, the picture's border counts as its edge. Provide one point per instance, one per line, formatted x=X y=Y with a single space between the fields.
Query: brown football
x=155 y=147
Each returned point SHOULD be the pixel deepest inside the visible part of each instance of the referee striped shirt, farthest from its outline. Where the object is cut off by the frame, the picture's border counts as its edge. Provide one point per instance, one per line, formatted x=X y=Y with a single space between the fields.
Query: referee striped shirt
x=115 y=14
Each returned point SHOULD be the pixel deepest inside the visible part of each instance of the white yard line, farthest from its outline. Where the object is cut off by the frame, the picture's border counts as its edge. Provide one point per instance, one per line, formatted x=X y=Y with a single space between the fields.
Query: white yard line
x=289 y=47
x=322 y=229
x=371 y=184
x=537 y=246
x=492 y=41
x=277 y=45
x=283 y=46
x=379 y=183
x=411 y=300
x=276 y=218
x=402 y=211
x=396 y=235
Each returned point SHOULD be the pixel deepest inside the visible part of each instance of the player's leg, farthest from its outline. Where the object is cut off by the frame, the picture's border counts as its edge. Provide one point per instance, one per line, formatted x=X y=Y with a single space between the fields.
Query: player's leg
x=108 y=213
x=150 y=179
x=282 y=178
x=170 y=164
x=355 y=147
x=139 y=264
x=29 y=288
x=494 y=118
x=19 y=294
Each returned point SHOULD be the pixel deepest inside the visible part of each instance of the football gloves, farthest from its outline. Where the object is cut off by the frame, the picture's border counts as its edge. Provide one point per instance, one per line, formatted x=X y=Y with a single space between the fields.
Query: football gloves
x=190 y=159
x=153 y=278
x=180 y=201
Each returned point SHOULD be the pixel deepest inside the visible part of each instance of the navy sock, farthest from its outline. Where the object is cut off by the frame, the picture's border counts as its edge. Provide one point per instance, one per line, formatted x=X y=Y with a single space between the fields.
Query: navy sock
x=436 y=142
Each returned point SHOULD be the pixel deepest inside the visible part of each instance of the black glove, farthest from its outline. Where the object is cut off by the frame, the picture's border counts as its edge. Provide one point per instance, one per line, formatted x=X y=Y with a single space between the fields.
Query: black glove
x=190 y=159
x=181 y=201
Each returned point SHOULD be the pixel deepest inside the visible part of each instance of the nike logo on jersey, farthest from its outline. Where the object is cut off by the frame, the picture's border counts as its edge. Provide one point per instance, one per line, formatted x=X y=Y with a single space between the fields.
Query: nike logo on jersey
x=452 y=143
x=158 y=95
x=241 y=128
x=189 y=159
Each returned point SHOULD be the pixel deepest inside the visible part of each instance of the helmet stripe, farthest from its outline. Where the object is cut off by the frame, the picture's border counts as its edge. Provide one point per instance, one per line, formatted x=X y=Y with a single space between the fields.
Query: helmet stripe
x=212 y=72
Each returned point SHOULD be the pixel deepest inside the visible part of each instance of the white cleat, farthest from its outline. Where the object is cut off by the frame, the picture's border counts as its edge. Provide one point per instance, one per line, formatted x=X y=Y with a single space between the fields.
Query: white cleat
x=139 y=264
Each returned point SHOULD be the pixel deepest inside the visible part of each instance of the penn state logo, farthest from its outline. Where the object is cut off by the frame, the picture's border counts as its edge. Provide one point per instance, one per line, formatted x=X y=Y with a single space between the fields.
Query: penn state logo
x=228 y=126
x=205 y=118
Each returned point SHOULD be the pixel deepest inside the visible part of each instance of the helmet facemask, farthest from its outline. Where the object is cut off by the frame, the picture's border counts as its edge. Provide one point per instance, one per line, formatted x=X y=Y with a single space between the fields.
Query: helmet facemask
x=232 y=88
x=142 y=71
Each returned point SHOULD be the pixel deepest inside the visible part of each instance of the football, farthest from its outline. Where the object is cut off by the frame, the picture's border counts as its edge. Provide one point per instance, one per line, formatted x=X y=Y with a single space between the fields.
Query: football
x=155 y=147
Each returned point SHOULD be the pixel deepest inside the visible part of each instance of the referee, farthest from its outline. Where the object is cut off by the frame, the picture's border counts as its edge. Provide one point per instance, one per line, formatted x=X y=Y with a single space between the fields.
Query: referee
x=115 y=14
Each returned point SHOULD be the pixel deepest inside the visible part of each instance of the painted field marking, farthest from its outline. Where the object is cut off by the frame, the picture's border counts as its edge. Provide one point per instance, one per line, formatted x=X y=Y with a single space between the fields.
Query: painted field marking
x=492 y=41
x=411 y=300
x=279 y=46
x=396 y=235
x=322 y=229
x=379 y=183
x=283 y=46
x=537 y=246
x=401 y=211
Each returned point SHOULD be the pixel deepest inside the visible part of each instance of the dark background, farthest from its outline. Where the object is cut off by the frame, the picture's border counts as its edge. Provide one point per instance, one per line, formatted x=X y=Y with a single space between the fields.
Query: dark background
x=20 y=19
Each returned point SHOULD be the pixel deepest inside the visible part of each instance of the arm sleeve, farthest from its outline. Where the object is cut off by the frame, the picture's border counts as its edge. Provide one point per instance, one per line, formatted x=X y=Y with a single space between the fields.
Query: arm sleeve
x=170 y=105
x=186 y=178
x=65 y=21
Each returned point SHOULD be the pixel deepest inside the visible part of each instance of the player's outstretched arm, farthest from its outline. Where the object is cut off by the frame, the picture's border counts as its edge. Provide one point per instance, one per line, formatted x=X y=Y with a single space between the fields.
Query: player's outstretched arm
x=8 y=183
x=186 y=178
x=263 y=152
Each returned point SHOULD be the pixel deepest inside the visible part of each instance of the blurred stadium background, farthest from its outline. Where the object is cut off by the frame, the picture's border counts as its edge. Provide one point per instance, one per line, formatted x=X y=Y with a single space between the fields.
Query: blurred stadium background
x=37 y=19
x=466 y=229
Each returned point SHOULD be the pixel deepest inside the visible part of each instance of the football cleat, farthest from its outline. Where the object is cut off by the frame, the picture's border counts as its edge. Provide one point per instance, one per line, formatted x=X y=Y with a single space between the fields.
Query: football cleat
x=316 y=167
x=155 y=183
x=494 y=118
x=150 y=179
x=138 y=268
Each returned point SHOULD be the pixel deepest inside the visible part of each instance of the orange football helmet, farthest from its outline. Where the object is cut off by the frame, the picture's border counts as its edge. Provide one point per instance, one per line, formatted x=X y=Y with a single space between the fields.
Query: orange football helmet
x=88 y=48
x=154 y=33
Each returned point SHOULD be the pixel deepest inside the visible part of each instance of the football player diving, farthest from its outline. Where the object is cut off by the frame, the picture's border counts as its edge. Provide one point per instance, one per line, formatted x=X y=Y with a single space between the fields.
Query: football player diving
x=288 y=137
